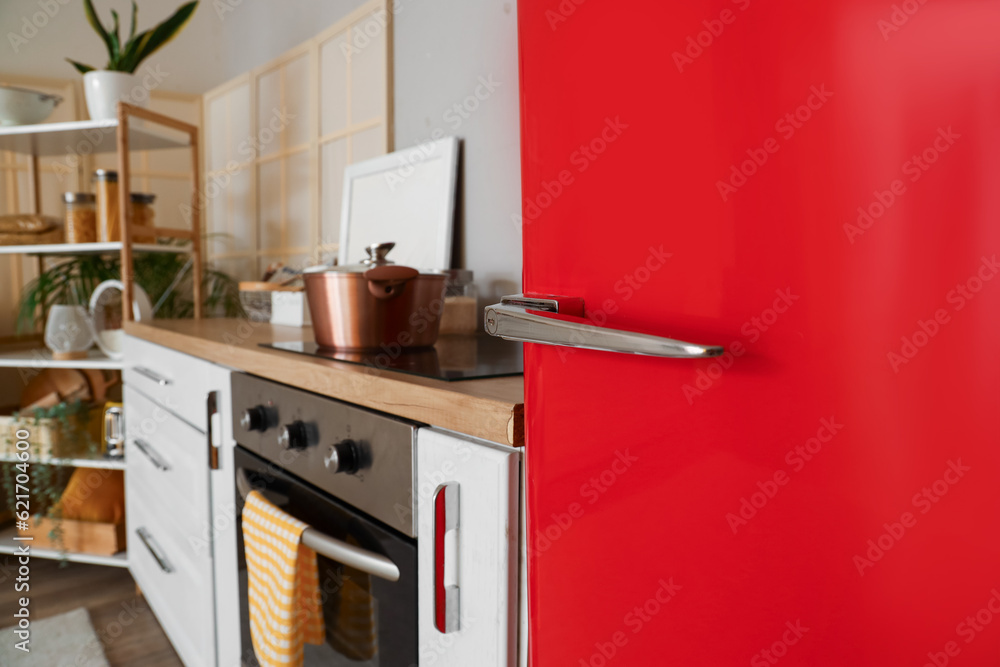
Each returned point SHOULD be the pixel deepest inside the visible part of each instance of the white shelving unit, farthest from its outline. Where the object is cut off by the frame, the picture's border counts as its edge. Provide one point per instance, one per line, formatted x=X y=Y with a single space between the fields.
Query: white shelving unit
x=84 y=136
x=86 y=249
x=9 y=546
x=95 y=462
x=40 y=357
x=135 y=129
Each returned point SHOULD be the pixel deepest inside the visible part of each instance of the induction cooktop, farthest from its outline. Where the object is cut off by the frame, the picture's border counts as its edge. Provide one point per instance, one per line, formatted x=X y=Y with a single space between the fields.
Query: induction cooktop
x=453 y=358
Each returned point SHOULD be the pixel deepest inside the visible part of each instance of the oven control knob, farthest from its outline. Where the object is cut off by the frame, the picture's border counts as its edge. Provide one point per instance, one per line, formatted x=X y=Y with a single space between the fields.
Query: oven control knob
x=294 y=436
x=255 y=419
x=342 y=457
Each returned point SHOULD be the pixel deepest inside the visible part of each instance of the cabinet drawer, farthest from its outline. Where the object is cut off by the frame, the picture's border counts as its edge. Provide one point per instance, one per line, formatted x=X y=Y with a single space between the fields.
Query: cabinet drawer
x=179 y=595
x=167 y=459
x=172 y=379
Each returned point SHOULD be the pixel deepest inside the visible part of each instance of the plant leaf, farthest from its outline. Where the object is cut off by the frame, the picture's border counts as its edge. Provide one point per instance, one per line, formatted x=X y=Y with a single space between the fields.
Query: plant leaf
x=95 y=23
x=164 y=32
x=74 y=280
x=80 y=67
x=115 y=43
x=131 y=51
x=135 y=16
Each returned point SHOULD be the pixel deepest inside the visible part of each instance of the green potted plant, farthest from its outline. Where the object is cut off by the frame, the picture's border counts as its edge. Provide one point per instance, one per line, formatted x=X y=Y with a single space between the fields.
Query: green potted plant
x=103 y=88
x=165 y=277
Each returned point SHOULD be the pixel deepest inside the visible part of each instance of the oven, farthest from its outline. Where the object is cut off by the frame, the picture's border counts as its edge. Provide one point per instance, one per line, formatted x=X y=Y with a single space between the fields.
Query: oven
x=348 y=473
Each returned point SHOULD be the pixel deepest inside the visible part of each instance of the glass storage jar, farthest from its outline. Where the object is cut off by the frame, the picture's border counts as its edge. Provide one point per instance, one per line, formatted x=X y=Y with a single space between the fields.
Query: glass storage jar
x=461 y=310
x=81 y=217
x=142 y=215
x=109 y=223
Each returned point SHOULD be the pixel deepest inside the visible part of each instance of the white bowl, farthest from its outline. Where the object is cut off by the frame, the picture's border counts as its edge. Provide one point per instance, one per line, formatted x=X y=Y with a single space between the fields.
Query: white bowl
x=20 y=106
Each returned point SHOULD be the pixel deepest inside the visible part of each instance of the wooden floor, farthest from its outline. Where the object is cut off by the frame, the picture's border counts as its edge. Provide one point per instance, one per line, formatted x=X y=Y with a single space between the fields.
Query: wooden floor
x=129 y=632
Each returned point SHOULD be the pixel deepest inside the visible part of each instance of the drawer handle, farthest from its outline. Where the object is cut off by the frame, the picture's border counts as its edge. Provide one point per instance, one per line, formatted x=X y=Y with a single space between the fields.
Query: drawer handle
x=446 y=597
x=154 y=458
x=155 y=377
x=154 y=550
x=212 y=405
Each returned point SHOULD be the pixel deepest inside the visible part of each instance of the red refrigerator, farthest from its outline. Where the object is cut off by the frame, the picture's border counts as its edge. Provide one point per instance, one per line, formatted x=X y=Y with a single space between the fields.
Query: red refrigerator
x=805 y=198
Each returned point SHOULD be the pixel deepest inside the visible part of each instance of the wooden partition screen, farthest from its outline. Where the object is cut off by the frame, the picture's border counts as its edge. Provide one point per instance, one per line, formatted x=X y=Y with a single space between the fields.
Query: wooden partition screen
x=278 y=138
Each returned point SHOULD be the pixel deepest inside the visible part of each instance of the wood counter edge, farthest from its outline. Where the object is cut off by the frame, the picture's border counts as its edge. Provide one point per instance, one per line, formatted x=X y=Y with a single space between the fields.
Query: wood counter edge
x=432 y=402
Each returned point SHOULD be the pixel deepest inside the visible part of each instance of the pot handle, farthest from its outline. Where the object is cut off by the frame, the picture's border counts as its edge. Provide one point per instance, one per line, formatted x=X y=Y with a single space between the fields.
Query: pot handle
x=389 y=281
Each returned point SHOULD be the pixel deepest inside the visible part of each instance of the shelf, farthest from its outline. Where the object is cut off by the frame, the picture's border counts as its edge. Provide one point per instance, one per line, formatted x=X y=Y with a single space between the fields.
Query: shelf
x=26 y=357
x=9 y=546
x=95 y=461
x=83 y=137
x=89 y=248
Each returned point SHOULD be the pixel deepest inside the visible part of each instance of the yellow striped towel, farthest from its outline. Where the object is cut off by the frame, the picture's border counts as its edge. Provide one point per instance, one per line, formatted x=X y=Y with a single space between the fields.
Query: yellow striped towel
x=283 y=586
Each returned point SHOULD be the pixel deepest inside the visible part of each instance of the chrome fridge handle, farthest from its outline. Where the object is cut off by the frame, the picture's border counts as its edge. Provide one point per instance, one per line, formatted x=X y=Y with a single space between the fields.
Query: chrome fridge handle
x=556 y=320
x=336 y=550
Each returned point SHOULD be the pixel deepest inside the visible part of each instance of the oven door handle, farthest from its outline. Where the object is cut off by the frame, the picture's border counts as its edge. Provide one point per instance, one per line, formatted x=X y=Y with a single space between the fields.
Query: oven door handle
x=368 y=562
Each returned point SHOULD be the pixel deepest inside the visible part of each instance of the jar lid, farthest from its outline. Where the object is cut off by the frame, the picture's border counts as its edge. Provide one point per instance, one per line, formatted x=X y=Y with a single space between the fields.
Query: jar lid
x=106 y=175
x=459 y=276
x=78 y=198
x=143 y=198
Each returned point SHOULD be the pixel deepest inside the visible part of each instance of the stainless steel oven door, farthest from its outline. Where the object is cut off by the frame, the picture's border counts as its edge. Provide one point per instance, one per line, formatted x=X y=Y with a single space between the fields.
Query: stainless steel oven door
x=370 y=619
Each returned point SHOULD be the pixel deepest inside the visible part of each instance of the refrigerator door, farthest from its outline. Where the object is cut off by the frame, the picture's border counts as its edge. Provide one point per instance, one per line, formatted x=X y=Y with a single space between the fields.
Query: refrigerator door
x=813 y=186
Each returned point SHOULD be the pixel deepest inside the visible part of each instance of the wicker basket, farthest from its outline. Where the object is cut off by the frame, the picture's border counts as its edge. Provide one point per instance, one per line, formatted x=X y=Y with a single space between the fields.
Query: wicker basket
x=86 y=537
x=53 y=438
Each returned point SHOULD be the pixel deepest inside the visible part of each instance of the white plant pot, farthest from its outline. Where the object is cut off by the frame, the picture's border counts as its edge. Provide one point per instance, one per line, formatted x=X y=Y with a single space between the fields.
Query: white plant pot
x=104 y=89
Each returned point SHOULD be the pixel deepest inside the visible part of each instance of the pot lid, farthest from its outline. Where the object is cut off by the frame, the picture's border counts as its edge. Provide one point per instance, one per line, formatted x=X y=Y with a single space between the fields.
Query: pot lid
x=377 y=256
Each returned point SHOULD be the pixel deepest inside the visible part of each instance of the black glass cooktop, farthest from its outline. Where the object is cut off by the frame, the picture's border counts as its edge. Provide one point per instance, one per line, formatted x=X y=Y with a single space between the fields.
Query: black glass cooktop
x=452 y=358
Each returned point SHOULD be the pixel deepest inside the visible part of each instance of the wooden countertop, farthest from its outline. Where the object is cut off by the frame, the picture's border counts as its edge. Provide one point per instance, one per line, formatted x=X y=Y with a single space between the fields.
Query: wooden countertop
x=492 y=409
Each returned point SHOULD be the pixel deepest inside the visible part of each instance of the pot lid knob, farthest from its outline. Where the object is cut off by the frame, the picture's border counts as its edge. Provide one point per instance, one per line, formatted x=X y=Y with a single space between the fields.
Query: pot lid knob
x=377 y=254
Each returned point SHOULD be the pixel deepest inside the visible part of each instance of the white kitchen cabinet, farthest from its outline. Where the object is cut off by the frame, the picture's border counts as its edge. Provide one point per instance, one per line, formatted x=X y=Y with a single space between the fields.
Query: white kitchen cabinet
x=178 y=486
x=481 y=554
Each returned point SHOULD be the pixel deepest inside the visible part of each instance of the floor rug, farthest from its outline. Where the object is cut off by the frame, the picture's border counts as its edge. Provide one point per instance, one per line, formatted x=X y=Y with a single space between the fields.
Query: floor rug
x=67 y=640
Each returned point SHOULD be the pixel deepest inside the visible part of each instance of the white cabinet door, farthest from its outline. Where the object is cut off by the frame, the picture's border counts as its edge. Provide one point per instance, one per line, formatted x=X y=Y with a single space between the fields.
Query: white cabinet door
x=179 y=553
x=480 y=554
x=223 y=488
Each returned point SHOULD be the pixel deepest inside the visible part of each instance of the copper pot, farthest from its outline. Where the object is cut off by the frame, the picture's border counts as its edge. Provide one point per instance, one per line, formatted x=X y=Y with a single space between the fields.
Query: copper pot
x=374 y=305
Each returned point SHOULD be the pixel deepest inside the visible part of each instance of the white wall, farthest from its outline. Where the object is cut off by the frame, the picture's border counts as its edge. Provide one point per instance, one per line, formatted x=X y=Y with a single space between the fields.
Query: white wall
x=224 y=38
x=444 y=50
